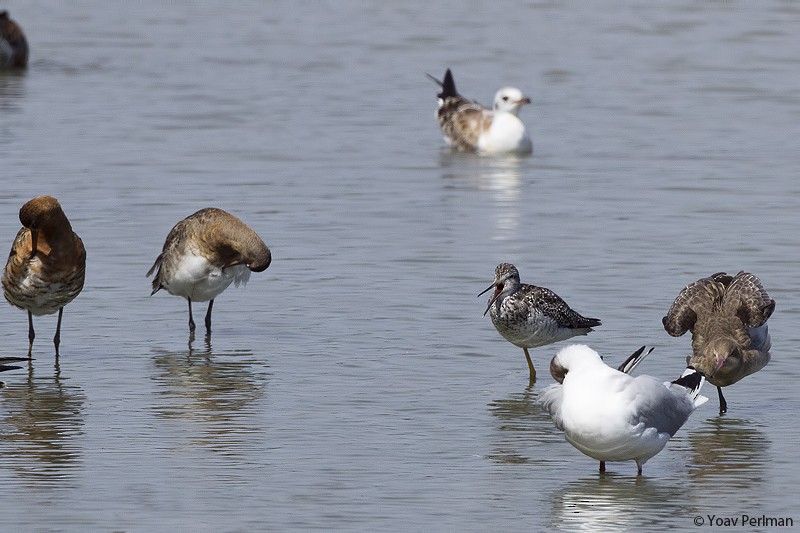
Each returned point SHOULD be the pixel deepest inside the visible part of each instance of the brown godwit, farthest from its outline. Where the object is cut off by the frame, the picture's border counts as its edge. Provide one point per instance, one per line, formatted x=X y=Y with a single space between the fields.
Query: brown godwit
x=203 y=254
x=47 y=264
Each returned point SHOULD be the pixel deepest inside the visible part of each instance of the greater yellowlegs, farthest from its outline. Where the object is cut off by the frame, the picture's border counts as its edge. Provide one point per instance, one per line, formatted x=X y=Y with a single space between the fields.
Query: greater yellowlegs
x=529 y=316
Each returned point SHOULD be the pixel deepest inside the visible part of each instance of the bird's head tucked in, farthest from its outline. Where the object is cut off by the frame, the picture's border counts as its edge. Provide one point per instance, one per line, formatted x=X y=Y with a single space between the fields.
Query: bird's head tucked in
x=43 y=213
x=261 y=260
x=557 y=371
x=40 y=212
x=572 y=357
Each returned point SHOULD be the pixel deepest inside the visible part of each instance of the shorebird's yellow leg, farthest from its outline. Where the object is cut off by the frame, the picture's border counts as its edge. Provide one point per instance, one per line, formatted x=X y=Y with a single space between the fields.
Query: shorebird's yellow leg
x=530 y=365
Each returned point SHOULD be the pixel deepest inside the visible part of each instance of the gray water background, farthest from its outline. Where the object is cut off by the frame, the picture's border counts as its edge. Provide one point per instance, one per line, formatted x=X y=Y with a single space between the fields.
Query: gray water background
x=354 y=385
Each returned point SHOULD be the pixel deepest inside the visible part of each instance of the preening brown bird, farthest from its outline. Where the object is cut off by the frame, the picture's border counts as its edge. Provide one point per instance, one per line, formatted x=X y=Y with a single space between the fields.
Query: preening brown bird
x=727 y=316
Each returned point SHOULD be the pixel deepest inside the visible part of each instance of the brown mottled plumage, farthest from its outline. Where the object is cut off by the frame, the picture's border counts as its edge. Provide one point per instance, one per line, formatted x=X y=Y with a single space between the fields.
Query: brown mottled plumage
x=13 y=45
x=47 y=264
x=203 y=254
x=727 y=316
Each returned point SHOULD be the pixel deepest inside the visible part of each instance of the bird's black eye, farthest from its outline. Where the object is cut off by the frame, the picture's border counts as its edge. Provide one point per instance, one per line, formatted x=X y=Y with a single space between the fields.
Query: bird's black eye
x=505 y=98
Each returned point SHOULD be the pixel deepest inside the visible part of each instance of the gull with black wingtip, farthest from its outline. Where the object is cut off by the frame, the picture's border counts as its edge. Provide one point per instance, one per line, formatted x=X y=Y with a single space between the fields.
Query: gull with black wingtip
x=611 y=416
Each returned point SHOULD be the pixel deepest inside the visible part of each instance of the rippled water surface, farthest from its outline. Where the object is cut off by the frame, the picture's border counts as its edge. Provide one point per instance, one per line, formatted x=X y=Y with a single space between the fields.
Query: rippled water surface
x=354 y=385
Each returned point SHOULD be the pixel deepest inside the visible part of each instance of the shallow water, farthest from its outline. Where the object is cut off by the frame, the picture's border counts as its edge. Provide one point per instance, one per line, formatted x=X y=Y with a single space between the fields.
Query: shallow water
x=354 y=385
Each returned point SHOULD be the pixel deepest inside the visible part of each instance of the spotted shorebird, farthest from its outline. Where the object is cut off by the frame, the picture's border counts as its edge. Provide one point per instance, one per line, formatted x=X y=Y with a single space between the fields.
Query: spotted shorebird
x=612 y=416
x=469 y=127
x=203 y=254
x=529 y=316
x=47 y=264
x=727 y=316
x=13 y=45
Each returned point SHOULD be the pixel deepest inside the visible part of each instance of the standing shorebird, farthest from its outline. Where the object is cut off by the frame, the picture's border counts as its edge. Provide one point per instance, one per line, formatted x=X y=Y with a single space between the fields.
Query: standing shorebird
x=612 y=416
x=529 y=316
x=727 y=316
x=469 y=127
x=13 y=45
x=203 y=254
x=47 y=264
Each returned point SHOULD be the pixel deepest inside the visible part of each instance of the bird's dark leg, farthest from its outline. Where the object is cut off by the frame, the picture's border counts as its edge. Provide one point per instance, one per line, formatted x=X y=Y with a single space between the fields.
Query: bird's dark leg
x=602 y=467
x=57 y=338
x=530 y=366
x=638 y=468
x=31 y=335
x=723 y=405
x=208 y=317
x=191 y=320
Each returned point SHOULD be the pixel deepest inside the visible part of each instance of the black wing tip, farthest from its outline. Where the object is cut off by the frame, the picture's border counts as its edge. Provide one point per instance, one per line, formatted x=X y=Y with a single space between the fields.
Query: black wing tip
x=634 y=359
x=630 y=358
x=691 y=381
x=592 y=322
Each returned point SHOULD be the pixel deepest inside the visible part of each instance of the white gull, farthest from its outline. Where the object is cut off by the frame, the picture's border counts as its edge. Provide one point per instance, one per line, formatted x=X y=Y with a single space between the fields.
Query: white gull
x=612 y=416
x=470 y=127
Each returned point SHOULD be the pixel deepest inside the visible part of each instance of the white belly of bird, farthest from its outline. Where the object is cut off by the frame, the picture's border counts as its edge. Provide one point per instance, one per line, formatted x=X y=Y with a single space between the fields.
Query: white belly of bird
x=536 y=331
x=506 y=134
x=196 y=278
x=600 y=423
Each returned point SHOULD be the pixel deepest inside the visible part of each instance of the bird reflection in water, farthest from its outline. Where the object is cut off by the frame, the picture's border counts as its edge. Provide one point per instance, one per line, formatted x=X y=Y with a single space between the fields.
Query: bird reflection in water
x=41 y=419
x=614 y=502
x=728 y=452
x=219 y=393
x=522 y=424
x=500 y=175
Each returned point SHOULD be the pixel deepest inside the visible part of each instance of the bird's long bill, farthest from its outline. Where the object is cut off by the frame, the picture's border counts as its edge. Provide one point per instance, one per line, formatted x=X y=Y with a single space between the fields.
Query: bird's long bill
x=34 y=240
x=497 y=290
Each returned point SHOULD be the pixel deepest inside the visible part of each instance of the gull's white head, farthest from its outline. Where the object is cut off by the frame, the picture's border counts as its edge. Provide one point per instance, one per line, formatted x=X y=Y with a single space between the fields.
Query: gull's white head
x=571 y=358
x=510 y=100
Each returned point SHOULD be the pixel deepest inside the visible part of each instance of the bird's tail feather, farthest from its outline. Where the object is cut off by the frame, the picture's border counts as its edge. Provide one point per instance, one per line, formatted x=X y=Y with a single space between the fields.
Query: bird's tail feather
x=448 y=85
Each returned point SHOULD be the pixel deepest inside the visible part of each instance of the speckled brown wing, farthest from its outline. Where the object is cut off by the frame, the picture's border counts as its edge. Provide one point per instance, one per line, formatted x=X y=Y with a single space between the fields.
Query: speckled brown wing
x=450 y=106
x=701 y=296
x=463 y=125
x=746 y=298
x=552 y=305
